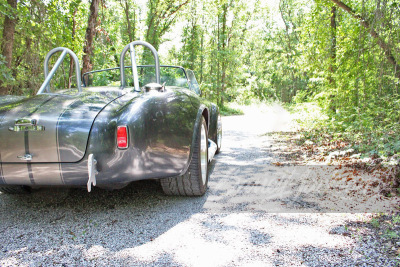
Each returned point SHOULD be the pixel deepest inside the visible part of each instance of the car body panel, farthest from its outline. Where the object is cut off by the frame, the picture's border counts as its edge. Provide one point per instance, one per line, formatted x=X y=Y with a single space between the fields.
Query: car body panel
x=69 y=137
x=67 y=120
x=161 y=134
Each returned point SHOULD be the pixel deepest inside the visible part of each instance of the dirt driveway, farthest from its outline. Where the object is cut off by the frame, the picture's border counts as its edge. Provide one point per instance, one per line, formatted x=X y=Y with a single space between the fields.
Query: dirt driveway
x=256 y=213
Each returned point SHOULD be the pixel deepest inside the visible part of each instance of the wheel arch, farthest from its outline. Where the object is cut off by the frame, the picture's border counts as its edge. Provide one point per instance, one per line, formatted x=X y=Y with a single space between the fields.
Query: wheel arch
x=202 y=112
x=206 y=116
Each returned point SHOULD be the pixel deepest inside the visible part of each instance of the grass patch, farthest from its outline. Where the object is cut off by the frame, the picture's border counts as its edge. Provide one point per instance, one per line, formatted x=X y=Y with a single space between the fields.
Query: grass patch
x=228 y=110
x=383 y=230
x=387 y=230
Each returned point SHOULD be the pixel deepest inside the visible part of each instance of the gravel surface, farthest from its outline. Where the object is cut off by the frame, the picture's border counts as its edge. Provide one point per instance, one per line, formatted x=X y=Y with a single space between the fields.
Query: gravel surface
x=255 y=214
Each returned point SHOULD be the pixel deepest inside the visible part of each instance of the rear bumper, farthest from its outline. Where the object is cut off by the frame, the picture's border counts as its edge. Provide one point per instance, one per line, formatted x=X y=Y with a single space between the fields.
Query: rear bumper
x=120 y=170
x=73 y=174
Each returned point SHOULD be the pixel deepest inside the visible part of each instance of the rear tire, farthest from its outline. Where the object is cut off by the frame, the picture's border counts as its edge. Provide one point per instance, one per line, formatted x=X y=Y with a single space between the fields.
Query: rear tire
x=15 y=189
x=194 y=181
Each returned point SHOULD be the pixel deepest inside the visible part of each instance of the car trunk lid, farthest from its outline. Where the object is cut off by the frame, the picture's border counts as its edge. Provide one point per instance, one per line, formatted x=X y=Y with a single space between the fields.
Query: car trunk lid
x=50 y=127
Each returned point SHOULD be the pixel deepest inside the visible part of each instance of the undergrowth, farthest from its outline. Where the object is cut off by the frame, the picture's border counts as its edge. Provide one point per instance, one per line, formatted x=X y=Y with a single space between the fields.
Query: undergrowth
x=372 y=134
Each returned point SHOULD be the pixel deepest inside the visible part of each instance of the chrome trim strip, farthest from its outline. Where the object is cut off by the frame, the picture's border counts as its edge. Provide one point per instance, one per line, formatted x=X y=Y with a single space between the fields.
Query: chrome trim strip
x=25 y=122
x=25 y=157
x=27 y=128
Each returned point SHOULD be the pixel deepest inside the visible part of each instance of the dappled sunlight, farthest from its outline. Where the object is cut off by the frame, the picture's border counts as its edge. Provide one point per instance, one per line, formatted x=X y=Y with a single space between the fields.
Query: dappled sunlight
x=220 y=239
x=257 y=211
x=152 y=230
x=260 y=119
x=186 y=245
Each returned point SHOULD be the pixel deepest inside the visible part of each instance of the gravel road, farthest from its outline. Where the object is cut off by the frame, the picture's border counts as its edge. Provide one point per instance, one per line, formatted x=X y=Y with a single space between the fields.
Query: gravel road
x=255 y=213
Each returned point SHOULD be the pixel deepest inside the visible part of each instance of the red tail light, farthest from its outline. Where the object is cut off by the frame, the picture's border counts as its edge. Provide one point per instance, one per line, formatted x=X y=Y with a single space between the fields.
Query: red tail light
x=122 y=137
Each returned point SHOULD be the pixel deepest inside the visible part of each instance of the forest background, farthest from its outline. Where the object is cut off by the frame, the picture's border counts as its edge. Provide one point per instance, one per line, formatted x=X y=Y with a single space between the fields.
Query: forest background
x=342 y=56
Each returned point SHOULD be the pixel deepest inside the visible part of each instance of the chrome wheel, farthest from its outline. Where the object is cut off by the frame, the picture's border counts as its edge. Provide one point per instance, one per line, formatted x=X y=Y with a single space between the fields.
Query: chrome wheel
x=203 y=154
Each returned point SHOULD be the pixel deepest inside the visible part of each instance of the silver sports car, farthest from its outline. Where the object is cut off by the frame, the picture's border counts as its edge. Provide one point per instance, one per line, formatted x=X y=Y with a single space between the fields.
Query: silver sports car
x=151 y=125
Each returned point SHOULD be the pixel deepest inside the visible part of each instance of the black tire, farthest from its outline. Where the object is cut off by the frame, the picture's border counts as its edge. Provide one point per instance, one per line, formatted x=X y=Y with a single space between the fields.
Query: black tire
x=15 y=189
x=193 y=182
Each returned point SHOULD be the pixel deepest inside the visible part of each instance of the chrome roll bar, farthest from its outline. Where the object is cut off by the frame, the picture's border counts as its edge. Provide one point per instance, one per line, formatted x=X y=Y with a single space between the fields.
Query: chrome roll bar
x=131 y=48
x=45 y=88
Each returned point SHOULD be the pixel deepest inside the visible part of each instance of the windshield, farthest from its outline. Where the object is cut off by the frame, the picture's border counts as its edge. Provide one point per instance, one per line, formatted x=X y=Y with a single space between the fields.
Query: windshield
x=193 y=82
x=171 y=76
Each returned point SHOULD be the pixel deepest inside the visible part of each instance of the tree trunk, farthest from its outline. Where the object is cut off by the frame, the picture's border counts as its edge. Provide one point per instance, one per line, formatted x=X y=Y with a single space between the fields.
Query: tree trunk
x=193 y=38
x=287 y=96
x=218 y=60
x=224 y=44
x=131 y=32
x=8 y=39
x=160 y=17
x=90 y=33
x=201 y=55
x=134 y=25
x=332 y=67
x=387 y=49
x=152 y=31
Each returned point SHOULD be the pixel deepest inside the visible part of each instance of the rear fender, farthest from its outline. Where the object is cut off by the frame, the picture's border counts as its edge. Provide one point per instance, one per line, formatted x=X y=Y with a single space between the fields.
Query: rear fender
x=202 y=112
x=153 y=129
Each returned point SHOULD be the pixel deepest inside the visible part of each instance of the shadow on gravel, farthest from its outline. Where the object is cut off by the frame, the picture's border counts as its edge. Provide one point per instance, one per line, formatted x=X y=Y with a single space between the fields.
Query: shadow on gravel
x=256 y=211
x=317 y=256
x=65 y=222
x=363 y=255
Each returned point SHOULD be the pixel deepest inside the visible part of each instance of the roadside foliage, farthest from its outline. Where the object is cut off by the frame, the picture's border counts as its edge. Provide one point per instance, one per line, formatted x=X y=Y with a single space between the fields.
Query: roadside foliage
x=342 y=55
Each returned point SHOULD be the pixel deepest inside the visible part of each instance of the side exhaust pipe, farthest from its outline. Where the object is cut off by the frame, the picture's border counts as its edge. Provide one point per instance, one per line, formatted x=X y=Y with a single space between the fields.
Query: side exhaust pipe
x=212 y=148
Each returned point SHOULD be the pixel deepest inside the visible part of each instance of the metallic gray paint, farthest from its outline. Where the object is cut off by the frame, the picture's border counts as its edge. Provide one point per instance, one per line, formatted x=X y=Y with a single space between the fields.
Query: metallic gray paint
x=16 y=174
x=161 y=127
x=67 y=121
x=161 y=133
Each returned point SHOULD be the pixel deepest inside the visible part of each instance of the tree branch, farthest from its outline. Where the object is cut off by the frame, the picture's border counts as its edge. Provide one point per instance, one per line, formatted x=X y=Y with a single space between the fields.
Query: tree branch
x=382 y=44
